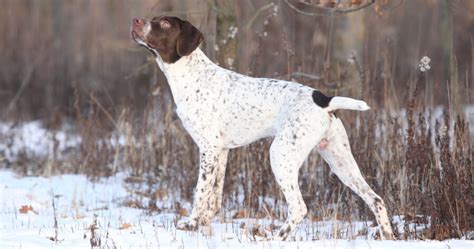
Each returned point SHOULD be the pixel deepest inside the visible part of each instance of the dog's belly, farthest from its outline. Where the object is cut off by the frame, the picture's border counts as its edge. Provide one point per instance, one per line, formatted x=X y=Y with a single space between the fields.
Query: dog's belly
x=248 y=127
x=240 y=136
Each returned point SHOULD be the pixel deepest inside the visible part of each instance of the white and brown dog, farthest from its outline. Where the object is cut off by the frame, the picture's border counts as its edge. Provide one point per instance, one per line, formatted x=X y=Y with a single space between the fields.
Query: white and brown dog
x=222 y=110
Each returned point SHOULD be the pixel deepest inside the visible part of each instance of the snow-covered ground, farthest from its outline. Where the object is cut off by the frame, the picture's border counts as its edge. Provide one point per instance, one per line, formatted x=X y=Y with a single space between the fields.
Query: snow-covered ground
x=86 y=213
x=33 y=139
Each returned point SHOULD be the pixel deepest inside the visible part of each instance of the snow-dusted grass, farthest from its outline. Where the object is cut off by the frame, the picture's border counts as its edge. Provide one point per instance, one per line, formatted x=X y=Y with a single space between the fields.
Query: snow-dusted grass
x=83 y=208
x=33 y=139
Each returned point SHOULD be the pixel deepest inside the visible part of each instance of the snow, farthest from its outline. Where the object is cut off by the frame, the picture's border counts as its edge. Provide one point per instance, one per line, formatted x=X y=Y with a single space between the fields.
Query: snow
x=78 y=202
x=33 y=139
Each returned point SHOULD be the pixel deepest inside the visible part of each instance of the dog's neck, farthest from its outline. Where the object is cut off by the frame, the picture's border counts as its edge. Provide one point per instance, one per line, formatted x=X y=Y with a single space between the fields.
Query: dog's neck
x=185 y=74
x=196 y=58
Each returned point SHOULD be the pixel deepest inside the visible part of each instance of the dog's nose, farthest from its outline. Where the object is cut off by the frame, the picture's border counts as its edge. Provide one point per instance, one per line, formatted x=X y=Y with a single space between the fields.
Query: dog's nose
x=138 y=22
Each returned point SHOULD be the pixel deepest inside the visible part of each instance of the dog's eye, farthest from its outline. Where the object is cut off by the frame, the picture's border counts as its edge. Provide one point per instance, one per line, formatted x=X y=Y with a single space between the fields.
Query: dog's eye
x=165 y=24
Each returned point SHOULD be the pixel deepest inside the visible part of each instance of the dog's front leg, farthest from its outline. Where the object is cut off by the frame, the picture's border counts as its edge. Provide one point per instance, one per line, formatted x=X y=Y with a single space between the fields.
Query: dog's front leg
x=211 y=165
x=219 y=184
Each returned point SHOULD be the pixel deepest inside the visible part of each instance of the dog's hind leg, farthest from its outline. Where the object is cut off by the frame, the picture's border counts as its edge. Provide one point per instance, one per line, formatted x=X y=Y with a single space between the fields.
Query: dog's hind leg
x=285 y=168
x=289 y=149
x=338 y=155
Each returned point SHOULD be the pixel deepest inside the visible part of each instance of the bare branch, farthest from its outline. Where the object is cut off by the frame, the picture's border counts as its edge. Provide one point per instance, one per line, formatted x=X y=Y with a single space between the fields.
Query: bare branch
x=112 y=120
x=303 y=75
x=257 y=13
x=25 y=81
x=327 y=11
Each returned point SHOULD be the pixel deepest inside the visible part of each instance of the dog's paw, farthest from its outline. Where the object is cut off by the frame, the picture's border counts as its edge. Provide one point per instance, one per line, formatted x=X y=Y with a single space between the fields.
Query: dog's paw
x=187 y=226
x=388 y=235
x=283 y=233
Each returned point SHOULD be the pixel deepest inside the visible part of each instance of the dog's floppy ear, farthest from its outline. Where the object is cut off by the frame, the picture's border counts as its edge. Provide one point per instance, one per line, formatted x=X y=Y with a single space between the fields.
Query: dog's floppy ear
x=189 y=38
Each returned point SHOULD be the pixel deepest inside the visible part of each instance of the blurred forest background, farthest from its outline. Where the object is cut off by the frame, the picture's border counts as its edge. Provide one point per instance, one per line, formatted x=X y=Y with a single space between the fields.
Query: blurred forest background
x=72 y=63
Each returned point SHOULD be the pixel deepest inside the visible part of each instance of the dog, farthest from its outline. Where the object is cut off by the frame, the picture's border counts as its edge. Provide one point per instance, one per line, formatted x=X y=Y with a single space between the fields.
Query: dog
x=222 y=109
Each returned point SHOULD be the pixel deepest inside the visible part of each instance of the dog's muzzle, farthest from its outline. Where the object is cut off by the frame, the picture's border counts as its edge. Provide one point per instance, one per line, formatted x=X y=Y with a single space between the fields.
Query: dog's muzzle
x=137 y=29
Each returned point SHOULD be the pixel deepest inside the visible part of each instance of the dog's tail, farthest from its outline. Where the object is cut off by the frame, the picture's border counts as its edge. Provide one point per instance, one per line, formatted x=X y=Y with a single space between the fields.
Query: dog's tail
x=347 y=103
x=335 y=103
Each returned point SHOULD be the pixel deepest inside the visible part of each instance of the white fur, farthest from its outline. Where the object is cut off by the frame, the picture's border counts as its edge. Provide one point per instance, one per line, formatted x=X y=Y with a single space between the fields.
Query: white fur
x=146 y=29
x=348 y=104
x=222 y=109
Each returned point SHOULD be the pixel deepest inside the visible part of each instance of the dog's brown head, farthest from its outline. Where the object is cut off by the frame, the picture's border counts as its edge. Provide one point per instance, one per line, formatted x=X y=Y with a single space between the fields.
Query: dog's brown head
x=167 y=36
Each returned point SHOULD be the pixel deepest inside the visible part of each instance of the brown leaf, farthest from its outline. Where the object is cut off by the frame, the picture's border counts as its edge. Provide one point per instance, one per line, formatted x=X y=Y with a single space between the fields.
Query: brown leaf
x=260 y=215
x=380 y=6
x=258 y=231
x=272 y=227
x=240 y=214
x=183 y=212
x=160 y=194
x=78 y=216
x=315 y=218
x=125 y=226
x=27 y=208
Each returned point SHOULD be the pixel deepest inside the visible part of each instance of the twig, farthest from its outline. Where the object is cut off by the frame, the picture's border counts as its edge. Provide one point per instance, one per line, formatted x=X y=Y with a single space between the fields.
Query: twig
x=359 y=68
x=154 y=8
x=361 y=74
x=257 y=13
x=308 y=13
x=356 y=8
x=137 y=70
x=304 y=75
x=55 y=239
x=24 y=83
x=105 y=111
x=95 y=241
x=327 y=11
x=26 y=80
